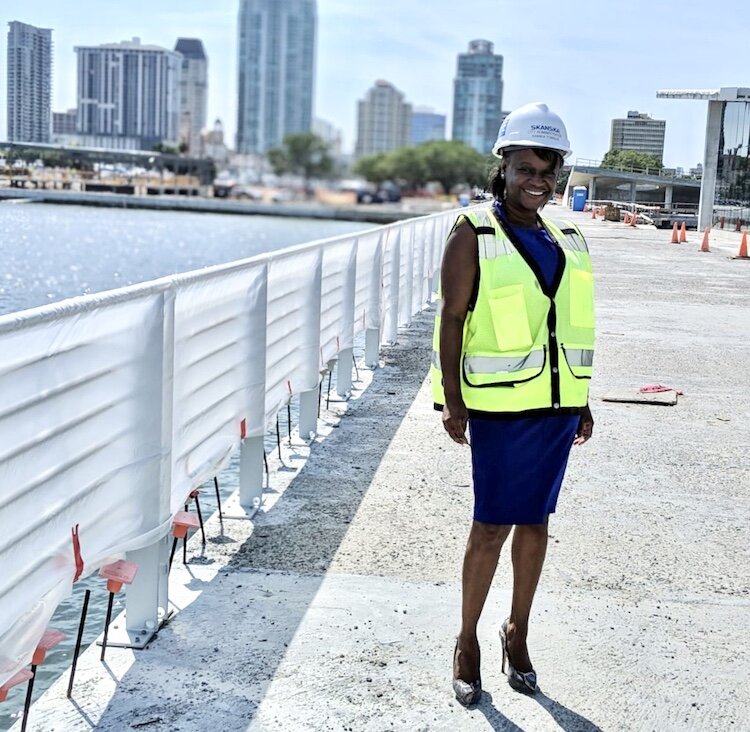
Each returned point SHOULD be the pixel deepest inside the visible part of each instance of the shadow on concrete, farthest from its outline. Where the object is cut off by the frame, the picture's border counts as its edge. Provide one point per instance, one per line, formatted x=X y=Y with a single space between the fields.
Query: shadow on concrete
x=568 y=720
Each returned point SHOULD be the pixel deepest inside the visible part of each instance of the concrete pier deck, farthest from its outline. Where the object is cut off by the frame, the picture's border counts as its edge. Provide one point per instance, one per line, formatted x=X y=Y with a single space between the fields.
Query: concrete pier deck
x=337 y=608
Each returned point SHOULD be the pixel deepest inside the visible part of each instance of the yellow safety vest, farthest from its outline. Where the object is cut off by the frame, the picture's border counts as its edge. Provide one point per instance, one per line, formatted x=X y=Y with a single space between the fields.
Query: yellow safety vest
x=524 y=349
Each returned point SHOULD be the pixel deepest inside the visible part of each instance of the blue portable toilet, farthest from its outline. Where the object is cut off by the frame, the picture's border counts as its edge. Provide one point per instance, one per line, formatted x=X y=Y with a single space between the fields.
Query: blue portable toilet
x=580 y=194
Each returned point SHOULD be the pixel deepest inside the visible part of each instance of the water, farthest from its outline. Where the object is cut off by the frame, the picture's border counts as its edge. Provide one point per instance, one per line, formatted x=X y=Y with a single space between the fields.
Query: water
x=50 y=252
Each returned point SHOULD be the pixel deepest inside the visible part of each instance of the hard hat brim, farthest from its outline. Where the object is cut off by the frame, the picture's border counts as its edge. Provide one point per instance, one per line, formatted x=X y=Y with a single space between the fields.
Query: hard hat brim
x=498 y=150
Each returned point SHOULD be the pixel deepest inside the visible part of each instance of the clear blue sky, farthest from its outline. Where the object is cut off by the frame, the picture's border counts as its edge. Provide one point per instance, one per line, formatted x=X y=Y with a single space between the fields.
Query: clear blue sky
x=589 y=61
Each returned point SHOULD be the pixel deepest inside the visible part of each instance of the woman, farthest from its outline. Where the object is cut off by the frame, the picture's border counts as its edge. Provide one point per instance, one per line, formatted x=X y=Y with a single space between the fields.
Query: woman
x=514 y=341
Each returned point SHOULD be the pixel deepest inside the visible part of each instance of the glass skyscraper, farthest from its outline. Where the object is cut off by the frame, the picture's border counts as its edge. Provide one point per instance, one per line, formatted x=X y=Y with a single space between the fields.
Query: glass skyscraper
x=128 y=95
x=733 y=158
x=276 y=71
x=478 y=96
x=29 y=83
x=193 y=92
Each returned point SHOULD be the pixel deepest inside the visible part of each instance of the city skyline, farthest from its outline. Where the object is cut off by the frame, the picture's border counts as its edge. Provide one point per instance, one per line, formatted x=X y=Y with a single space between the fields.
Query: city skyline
x=588 y=71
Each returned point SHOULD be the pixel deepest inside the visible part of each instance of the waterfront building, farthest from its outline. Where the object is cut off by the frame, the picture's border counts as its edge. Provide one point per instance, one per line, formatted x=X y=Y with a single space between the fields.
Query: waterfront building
x=64 y=123
x=128 y=95
x=638 y=132
x=725 y=174
x=426 y=125
x=276 y=71
x=193 y=92
x=29 y=83
x=478 y=96
x=330 y=134
x=383 y=120
x=213 y=145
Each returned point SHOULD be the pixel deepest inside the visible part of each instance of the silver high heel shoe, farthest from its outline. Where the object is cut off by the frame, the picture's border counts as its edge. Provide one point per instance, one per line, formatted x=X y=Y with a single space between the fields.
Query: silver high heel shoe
x=466 y=693
x=523 y=682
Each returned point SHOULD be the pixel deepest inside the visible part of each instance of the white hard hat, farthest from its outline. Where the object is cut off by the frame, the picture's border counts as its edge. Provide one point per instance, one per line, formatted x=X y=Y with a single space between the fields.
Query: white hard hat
x=532 y=125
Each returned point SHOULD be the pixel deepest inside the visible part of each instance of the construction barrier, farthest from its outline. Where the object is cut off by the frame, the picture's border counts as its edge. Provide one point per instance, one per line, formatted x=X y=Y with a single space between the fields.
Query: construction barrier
x=115 y=406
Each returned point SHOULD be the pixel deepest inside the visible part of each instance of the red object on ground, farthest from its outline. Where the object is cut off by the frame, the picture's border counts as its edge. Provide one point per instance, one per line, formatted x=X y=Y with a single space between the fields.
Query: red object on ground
x=656 y=388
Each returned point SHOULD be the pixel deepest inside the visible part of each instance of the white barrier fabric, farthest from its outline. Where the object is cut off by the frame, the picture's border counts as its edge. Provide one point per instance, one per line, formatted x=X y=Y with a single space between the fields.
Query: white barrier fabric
x=293 y=360
x=337 y=298
x=80 y=444
x=369 y=268
x=113 y=407
x=219 y=373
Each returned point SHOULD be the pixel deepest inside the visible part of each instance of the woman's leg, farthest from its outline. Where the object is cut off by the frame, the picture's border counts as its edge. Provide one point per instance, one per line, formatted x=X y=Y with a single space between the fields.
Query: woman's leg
x=527 y=552
x=480 y=562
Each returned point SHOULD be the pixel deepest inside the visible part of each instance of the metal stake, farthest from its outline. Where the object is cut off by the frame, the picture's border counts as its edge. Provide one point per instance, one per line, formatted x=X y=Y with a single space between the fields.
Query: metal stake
x=328 y=393
x=77 y=650
x=200 y=519
x=106 y=624
x=218 y=497
x=27 y=703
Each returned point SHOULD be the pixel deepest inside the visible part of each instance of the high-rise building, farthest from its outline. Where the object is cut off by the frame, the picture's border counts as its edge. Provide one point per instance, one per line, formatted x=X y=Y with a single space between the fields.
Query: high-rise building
x=29 y=83
x=193 y=92
x=330 y=134
x=383 y=120
x=128 y=95
x=426 y=125
x=638 y=132
x=478 y=96
x=276 y=71
x=65 y=123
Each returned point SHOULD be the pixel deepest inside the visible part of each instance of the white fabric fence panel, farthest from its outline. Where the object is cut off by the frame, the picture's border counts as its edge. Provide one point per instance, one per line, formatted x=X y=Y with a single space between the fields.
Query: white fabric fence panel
x=293 y=360
x=368 y=281
x=80 y=444
x=337 y=298
x=219 y=372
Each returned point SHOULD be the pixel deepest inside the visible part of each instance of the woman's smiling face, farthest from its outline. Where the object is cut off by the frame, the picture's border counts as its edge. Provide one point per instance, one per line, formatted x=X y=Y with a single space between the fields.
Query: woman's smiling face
x=529 y=180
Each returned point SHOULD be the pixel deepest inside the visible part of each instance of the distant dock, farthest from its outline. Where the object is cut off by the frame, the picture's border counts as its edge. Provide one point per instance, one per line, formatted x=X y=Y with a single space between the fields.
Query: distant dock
x=376 y=214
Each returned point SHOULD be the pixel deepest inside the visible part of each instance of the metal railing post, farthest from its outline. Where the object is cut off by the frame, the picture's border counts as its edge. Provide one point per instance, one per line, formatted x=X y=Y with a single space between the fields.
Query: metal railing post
x=251 y=473
x=407 y=298
x=252 y=451
x=147 y=598
x=345 y=362
x=392 y=325
x=309 y=399
x=373 y=316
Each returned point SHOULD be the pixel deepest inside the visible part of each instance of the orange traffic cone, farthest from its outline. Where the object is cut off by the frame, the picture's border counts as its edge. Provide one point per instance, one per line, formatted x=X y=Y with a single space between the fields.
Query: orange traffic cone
x=593 y=212
x=704 y=243
x=743 y=247
x=683 y=233
x=634 y=218
x=675 y=240
x=626 y=218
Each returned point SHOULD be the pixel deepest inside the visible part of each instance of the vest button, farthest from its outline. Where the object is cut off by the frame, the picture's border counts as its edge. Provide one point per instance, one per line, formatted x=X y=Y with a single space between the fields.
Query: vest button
x=553 y=334
x=554 y=369
x=556 y=405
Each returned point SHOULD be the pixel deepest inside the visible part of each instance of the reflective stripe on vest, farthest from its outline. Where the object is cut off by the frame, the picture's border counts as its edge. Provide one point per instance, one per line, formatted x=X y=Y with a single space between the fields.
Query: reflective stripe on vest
x=578 y=356
x=503 y=364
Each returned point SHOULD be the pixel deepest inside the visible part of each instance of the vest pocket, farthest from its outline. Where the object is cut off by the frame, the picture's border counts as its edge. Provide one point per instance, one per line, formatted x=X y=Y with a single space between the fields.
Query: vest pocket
x=510 y=321
x=581 y=298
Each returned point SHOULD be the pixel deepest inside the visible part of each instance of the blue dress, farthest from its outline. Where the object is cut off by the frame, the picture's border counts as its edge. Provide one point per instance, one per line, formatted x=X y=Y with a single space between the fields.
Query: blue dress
x=518 y=463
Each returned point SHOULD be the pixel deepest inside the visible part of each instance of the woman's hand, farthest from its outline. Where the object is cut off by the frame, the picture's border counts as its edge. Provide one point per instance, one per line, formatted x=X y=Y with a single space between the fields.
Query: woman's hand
x=455 y=419
x=585 y=427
